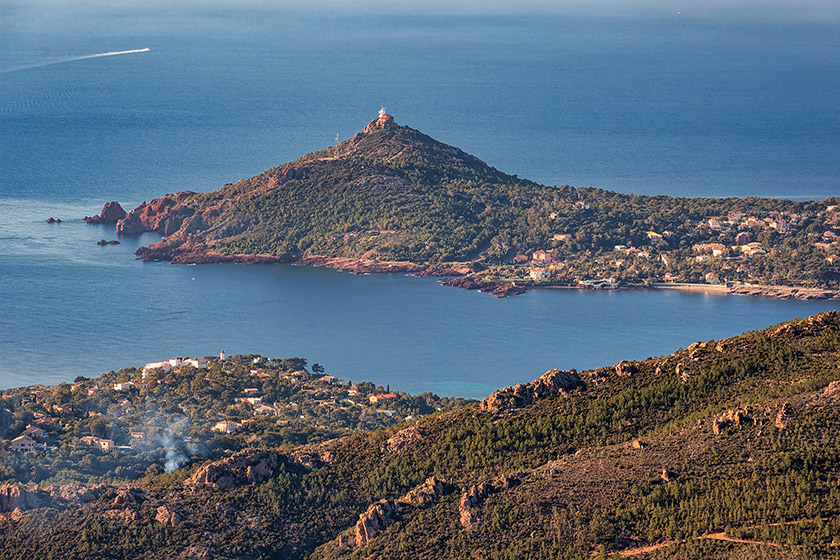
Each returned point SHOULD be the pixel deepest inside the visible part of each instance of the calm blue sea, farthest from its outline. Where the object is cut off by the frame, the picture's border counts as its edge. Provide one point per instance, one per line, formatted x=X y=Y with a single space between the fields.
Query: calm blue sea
x=661 y=102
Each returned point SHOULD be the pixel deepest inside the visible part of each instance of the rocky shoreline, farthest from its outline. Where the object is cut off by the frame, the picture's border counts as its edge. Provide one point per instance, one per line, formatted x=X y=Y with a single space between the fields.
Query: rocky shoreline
x=453 y=276
x=172 y=216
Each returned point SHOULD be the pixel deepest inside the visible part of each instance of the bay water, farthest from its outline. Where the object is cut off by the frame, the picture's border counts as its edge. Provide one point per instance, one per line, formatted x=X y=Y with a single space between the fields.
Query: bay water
x=661 y=103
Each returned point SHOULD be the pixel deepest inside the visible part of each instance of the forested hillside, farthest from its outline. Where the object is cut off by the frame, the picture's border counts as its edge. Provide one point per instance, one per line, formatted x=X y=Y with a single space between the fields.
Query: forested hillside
x=392 y=194
x=725 y=449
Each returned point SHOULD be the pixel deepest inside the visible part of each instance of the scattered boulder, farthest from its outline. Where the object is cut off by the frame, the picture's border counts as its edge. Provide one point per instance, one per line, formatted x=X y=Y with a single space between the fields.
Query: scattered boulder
x=624 y=369
x=121 y=516
x=375 y=520
x=782 y=330
x=426 y=493
x=553 y=381
x=403 y=439
x=733 y=417
x=505 y=481
x=250 y=466
x=165 y=516
x=832 y=390
x=313 y=456
x=127 y=496
x=111 y=213
x=472 y=497
x=783 y=417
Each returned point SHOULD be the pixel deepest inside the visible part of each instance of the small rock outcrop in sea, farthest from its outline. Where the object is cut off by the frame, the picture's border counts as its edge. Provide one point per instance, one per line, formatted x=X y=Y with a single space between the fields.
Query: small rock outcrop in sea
x=250 y=466
x=105 y=242
x=52 y=220
x=520 y=396
x=111 y=213
x=498 y=288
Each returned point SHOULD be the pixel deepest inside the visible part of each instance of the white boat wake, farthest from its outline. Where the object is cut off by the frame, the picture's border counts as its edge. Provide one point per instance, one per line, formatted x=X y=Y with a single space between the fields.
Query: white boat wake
x=75 y=58
x=112 y=53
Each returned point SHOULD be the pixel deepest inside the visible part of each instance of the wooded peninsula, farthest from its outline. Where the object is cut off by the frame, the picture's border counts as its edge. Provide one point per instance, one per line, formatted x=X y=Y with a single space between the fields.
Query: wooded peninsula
x=392 y=199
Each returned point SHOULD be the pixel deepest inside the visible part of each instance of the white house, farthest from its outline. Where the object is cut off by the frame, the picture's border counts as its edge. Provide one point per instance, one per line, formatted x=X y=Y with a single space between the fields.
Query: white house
x=156 y=365
x=22 y=443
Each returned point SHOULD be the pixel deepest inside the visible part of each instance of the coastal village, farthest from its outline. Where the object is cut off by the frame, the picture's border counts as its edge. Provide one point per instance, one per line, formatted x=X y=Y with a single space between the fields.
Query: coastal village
x=187 y=407
x=726 y=251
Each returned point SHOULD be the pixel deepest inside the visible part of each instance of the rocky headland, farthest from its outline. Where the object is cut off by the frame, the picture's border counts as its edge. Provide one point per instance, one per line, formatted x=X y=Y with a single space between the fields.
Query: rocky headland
x=392 y=199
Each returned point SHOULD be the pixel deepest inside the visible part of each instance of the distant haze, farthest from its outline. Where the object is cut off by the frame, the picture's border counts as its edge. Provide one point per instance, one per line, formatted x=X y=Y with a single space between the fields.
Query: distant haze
x=806 y=10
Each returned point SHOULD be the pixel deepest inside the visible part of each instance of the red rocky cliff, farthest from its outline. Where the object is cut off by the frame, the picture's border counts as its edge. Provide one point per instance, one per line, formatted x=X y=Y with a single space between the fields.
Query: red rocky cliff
x=163 y=215
x=111 y=213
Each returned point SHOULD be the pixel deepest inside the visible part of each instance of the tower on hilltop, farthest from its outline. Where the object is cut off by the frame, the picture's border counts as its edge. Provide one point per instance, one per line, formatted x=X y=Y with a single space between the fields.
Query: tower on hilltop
x=384 y=121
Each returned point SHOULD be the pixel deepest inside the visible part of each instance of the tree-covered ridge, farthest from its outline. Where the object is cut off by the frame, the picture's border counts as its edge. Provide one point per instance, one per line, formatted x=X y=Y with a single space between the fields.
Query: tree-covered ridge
x=392 y=193
x=677 y=456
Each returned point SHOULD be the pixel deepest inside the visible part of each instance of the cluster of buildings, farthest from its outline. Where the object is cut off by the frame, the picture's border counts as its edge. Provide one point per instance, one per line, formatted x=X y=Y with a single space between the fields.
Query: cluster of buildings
x=28 y=440
x=743 y=227
x=176 y=363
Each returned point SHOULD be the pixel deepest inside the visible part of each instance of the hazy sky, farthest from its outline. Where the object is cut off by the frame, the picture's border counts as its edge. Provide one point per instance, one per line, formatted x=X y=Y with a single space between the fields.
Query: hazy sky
x=801 y=9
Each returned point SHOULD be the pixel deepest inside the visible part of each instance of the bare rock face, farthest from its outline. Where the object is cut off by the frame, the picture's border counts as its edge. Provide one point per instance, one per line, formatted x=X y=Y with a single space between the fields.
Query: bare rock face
x=14 y=497
x=832 y=390
x=121 y=516
x=403 y=439
x=498 y=288
x=520 y=396
x=381 y=515
x=163 y=215
x=111 y=213
x=384 y=121
x=783 y=417
x=426 y=493
x=624 y=369
x=375 y=520
x=734 y=417
x=165 y=516
x=250 y=466
x=472 y=497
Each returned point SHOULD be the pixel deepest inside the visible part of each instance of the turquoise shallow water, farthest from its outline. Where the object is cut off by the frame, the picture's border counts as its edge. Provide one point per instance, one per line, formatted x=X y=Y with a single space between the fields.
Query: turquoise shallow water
x=690 y=106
